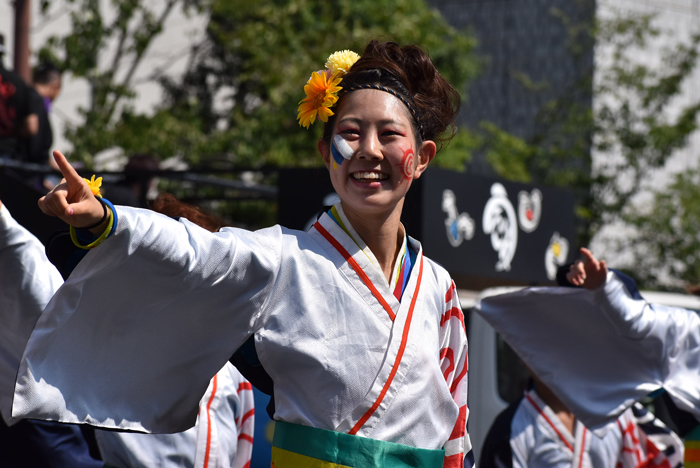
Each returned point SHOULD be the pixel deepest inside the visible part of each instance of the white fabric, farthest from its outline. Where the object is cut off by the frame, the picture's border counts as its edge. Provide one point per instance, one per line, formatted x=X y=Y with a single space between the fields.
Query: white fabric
x=611 y=350
x=28 y=281
x=540 y=440
x=325 y=340
x=222 y=437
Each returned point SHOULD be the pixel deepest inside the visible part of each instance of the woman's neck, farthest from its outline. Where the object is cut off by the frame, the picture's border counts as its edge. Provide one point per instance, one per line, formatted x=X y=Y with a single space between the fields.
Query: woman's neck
x=382 y=233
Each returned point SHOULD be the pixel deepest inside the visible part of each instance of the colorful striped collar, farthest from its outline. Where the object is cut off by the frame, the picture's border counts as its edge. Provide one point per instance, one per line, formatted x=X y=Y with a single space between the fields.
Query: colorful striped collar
x=403 y=263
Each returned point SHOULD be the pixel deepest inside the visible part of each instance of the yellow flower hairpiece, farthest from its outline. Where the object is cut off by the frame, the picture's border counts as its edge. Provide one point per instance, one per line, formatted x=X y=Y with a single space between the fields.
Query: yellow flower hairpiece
x=94 y=185
x=340 y=62
x=322 y=88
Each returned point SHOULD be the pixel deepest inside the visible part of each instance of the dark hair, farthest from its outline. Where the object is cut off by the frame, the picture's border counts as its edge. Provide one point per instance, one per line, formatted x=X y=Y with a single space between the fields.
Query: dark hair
x=140 y=168
x=170 y=206
x=45 y=73
x=411 y=74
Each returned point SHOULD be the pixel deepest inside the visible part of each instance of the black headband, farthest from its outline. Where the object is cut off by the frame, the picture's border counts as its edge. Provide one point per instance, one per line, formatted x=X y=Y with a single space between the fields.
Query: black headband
x=397 y=96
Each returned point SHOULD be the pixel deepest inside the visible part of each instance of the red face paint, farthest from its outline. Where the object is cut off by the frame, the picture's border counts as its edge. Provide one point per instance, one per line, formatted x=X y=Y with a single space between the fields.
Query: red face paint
x=407 y=164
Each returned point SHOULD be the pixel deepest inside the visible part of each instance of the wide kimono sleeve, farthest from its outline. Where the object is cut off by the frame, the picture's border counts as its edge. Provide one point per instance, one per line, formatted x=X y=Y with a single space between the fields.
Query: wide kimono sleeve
x=454 y=363
x=28 y=281
x=146 y=319
x=600 y=351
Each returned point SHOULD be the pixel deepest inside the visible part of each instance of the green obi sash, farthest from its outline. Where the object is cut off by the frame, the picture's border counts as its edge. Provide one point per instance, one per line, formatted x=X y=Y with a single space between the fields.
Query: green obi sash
x=296 y=446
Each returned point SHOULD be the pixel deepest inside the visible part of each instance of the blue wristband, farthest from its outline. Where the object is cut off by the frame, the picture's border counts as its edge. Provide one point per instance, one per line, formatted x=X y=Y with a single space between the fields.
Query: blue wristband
x=114 y=214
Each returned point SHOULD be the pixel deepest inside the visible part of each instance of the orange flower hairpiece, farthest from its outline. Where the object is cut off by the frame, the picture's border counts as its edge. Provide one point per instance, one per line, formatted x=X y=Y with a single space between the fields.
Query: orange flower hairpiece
x=322 y=88
x=94 y=185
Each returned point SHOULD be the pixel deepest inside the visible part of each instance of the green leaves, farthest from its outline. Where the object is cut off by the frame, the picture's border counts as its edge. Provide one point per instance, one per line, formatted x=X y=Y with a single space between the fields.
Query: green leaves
x=237 y=101
x=260 y=55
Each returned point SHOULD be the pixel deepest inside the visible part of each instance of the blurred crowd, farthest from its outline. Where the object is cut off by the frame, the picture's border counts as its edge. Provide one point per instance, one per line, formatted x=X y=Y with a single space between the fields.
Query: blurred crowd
x=25 y=128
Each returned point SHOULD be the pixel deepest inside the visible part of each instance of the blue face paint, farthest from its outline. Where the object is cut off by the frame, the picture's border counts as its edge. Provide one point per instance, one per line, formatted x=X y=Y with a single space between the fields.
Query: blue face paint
x=340 y=149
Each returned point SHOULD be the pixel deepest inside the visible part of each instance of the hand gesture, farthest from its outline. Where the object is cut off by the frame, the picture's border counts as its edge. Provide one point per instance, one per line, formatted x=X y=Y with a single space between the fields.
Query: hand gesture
x=589 y=273
x=72 y=200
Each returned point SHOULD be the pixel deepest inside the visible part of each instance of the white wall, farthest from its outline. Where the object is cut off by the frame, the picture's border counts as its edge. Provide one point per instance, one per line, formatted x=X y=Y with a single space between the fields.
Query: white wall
x=678 y=20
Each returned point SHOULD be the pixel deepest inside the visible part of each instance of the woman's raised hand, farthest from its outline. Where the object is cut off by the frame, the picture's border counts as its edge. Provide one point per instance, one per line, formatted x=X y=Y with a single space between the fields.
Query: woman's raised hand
x=590 y=273
x=71 y=200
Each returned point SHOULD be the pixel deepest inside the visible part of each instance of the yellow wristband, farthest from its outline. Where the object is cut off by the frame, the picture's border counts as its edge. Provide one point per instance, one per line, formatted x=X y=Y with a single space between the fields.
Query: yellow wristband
x=96 y=242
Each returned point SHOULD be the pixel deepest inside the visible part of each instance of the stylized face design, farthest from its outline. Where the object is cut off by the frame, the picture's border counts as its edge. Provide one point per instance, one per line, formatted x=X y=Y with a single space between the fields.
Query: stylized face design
x=374 y=129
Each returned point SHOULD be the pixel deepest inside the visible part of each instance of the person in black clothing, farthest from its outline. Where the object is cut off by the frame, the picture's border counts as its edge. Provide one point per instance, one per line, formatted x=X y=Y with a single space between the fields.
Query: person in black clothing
x=47 y=86
x=16 y=117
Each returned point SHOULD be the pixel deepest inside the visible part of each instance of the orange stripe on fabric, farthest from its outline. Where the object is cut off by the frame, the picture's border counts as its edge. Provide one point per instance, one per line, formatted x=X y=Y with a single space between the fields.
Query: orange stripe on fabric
x=692 y=455
x=454 y=461
x=211 y=398
x=244 y=386
x=460 y=376
x=461 y=425
x=583 y=448
x=450 y=355
x=449 y=293
x=397 y=362
x=550 y=422
x=247 y=415
x=245 y=437
x=355 y=267
x=453 y=312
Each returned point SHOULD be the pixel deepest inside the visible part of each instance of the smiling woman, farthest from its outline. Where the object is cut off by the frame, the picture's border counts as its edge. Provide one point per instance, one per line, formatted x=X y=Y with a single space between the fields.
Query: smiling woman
x=357 y=335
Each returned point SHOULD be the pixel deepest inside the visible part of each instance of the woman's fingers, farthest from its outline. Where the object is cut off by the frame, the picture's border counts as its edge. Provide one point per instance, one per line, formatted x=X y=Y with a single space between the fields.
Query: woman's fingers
x=69 y=173
x=71 y=200
x=590 y=258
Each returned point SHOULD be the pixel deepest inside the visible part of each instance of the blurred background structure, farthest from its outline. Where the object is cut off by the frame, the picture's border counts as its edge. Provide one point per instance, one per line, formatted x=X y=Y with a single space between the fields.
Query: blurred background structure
x=591 y=103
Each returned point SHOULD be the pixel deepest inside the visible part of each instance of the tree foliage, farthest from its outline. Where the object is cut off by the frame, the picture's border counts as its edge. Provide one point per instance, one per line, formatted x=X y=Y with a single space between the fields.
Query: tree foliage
x=619 y=112
x=236 y=104
x=105 y=46
x=666 y=242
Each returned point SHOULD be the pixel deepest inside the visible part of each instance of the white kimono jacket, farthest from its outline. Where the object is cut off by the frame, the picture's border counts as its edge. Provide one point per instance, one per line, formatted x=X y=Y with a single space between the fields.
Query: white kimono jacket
x=27 y=282
x=163 y=300
x=600 y=351
x=222 y=437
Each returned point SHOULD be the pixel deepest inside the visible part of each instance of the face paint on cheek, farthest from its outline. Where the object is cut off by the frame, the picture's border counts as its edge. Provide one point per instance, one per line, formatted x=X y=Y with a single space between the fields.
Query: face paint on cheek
x=340 y=151
x=406 y=165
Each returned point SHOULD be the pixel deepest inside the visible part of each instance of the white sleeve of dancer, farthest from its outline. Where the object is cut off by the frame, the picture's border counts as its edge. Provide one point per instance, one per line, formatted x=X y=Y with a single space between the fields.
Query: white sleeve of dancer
x=158 y=300
x=28 y=281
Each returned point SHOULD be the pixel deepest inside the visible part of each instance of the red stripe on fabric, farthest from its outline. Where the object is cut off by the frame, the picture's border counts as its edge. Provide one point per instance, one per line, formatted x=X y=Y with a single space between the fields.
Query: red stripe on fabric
x=461 y=375
x=461 y=425
x=244 y=386
x=355 y=267
x=399 y=284
x=245 y=437
x=454 y=461
x=211 y=398
x=397 y=362
x=247 y=415
x=247 y=465
x=450 y=355
x=453 y=312
x=450 y=293
x=583 y=448
x=550 y=422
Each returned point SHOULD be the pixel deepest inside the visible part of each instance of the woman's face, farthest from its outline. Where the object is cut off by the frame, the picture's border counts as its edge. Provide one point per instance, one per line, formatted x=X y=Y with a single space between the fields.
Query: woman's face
x=385 y=159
